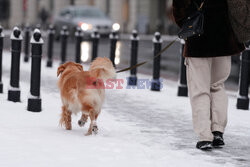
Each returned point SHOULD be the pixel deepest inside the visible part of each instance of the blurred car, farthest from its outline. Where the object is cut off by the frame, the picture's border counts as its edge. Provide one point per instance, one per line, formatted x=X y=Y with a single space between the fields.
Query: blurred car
x=87 y=18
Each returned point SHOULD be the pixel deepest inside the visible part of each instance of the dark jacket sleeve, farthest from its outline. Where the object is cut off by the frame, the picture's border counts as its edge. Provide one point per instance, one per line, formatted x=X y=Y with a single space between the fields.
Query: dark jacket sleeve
x=181 y=10
x=240 y=10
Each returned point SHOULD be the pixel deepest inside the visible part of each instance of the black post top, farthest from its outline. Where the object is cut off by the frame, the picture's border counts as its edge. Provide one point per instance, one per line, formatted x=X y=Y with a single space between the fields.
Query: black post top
x=37 y=36
x=78 y=32
x=95 y=32
x=64 y=31
x=114 y=33
x=134 y=33
x=51 y=29
x=17 y=33
x=157 y=36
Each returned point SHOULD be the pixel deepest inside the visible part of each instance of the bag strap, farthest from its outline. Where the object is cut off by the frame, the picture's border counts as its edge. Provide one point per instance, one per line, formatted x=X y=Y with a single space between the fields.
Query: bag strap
x=199 y=7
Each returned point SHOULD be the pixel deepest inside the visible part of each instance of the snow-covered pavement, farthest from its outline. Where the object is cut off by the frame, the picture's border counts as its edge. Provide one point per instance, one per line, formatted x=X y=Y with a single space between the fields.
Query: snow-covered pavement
x=137 y=127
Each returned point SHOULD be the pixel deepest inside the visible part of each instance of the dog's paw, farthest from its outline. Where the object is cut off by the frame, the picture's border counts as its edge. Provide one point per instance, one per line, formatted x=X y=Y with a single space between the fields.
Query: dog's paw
x=81 y=123
x=88 y=134
x=95 y=129
x=68 y=127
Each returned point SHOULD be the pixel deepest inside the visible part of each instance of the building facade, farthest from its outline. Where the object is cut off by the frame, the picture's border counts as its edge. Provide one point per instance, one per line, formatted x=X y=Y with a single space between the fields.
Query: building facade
x=146 y=16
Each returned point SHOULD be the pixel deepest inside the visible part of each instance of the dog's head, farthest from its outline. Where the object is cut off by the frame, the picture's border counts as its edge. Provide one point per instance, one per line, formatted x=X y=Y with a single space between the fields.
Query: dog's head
x=102 y=68
x=69 y=66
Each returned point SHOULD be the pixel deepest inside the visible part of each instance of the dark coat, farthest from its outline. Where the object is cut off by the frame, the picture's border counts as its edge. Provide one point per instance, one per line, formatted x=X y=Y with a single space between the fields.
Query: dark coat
x=218 y=38
x=239 y=15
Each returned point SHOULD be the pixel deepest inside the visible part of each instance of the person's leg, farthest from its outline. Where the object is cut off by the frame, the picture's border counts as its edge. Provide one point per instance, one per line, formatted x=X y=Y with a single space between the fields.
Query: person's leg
x=199 y=79
x=221 y=67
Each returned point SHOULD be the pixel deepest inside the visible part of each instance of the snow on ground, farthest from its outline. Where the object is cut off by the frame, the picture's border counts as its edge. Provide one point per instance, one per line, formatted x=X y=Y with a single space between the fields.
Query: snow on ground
x=137 y=127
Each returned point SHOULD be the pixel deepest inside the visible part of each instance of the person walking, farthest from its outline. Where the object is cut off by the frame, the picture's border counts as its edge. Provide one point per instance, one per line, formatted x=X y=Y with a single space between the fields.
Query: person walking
x=208 y=62
x=44 y=17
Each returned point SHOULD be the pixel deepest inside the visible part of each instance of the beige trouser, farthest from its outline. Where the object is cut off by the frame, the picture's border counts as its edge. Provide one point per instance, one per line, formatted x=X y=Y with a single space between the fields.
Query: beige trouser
x=206 y=77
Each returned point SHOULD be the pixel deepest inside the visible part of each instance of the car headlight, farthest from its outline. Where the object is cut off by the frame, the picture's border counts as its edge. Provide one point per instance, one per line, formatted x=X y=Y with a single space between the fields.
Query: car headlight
x=116 y=27
x=85 y=26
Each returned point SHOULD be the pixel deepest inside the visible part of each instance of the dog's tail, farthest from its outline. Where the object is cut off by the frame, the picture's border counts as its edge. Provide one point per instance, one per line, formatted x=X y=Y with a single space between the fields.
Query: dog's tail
x=102 y=68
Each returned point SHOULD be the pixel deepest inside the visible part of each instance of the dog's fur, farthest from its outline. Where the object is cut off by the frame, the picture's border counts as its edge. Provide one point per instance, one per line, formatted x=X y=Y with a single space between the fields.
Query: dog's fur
x=76 y=94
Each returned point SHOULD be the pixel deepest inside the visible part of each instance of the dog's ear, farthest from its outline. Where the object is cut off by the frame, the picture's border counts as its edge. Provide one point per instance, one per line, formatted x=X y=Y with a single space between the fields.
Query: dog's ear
x=79 y=66
x=60 y=69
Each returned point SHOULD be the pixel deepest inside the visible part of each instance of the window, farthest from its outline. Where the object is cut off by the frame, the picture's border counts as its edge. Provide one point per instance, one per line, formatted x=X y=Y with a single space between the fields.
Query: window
x=65 y=12
x=89 y=12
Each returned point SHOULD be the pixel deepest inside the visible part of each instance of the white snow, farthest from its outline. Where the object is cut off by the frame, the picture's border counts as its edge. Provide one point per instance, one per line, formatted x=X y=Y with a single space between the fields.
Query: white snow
x=13 y=88
x=127 y=135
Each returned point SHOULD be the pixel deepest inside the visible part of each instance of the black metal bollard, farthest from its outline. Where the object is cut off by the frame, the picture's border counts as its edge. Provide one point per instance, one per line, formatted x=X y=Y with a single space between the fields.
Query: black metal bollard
x=243 y=100
x=1 y=53
x=113 y=40
x=51 y=36
x=26 y=43
x=16 y=45
x=34 y=101
x=95 y=40
x=182 y=88
x=64 y=37
x=132 y=80
x=156 y=84
x=79 y=36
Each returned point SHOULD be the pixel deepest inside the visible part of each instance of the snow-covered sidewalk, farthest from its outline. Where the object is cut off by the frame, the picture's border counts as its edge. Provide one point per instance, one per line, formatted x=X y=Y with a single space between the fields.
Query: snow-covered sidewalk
x=137 y=127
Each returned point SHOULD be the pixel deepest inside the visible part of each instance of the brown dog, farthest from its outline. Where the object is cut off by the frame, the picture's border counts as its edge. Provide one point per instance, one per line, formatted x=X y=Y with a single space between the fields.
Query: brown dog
x=83 y=91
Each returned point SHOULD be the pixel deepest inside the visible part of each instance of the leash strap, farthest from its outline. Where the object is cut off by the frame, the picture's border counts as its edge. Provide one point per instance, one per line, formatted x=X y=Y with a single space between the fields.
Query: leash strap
x=144 y=62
